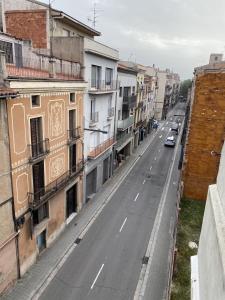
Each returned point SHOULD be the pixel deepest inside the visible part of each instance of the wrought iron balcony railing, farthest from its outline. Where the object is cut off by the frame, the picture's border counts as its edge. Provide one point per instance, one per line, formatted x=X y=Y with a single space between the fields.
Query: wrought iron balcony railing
x=44 y=194
x=102 y=86
x=74 y=134
x=38 y=150
x=101 y=148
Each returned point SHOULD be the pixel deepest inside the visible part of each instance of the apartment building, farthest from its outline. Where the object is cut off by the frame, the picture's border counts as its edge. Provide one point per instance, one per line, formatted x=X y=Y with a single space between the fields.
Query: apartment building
x=205 y=132
x=8 y=235
x=99 y=114
x=45 y=125
x=125 y=111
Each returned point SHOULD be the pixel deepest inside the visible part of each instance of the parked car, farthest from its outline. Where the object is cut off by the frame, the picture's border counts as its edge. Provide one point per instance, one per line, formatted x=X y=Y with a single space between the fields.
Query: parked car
x=170 y=141
x=175 y=127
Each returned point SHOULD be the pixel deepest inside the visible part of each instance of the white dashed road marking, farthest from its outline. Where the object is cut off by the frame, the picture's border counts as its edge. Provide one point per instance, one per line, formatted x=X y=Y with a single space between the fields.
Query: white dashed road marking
x=96 y=278
x=121 y=228
x=136 y=197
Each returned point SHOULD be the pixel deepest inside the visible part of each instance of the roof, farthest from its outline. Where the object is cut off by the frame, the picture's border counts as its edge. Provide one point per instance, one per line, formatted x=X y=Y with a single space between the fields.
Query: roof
x=7 y=92
x=72 y=21
x=61 y=14
x=126 y=69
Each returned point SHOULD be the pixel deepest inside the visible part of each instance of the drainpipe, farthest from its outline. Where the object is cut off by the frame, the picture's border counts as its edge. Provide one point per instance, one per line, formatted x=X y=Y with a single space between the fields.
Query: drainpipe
x=115 y=119
x=13 y=204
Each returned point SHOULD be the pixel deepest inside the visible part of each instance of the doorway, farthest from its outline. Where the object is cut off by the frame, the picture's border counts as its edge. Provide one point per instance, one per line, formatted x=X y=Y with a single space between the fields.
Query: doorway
x=71 y=201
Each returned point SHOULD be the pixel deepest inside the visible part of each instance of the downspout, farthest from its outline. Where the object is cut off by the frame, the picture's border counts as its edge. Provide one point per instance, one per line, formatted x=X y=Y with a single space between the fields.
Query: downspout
x=115 y=119
x=13 y=204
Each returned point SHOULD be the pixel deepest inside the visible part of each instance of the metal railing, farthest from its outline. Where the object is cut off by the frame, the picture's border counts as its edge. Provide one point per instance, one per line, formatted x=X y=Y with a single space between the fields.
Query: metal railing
x=102 y=86
x=74 y=134
x=111 y=112
x=126 y=123
x=40 y=66
x=129 y=102
x=43 y=194
x=38 y=150
x=96 y=151
x=94 y=117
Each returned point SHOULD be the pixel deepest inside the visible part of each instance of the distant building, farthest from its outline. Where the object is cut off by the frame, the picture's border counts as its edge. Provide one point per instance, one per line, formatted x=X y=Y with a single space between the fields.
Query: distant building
x=125 y=110
x=208 y=267
x=205 y=132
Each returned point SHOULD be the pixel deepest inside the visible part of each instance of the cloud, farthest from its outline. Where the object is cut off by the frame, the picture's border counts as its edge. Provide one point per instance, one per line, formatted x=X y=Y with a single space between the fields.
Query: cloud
x=179 y=34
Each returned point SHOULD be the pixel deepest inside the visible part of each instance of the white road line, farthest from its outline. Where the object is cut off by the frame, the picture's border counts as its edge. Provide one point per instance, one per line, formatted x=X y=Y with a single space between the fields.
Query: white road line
x=143 y=182
x=163 y=128
x=160 y=136
x=150 y=168
x=155 y=158
x=96 y=278
x=136 y=197
x=121 y=228
x=159 y=150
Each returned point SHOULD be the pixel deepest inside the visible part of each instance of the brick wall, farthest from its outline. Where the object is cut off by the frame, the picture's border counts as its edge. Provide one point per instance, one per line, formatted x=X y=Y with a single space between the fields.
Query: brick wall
x=28 y=25
x=206 y=134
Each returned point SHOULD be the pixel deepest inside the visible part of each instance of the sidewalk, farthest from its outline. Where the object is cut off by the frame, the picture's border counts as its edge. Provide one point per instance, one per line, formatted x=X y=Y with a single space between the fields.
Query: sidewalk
x=34 y=281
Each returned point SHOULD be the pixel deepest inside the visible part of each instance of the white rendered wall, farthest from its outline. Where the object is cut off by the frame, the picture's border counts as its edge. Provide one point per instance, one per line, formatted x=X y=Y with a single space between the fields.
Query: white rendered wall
x=211 y=253
x=101 y=102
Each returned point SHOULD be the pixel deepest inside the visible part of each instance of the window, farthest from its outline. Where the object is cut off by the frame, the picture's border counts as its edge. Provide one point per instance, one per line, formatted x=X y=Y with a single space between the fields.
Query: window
x=40 y=214
x=95 y=76
x=38 y=180
x=73 y=157
x=108 y=76
x=35 y=100
x=8 y=49
x=133 y=90
x=119 y=114
x=66 y=32
x=121 y=92
x=93 y=102
x=36 y=136
x=72 y=97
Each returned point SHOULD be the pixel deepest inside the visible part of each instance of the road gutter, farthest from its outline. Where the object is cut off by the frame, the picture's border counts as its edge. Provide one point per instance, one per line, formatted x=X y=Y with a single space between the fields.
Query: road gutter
x=145 y=270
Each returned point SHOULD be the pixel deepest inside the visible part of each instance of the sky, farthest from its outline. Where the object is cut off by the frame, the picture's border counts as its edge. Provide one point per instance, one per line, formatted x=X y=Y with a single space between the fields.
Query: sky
x=174 y=34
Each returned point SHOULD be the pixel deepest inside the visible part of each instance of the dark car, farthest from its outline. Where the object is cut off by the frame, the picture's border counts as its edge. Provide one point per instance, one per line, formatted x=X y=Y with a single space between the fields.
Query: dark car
x=175 y=127
x=170 y=141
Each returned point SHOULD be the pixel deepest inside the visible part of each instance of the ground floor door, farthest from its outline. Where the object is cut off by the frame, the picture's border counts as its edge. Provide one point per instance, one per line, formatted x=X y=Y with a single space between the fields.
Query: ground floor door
x=106 y=169
x=71 y=201
x=91 y=181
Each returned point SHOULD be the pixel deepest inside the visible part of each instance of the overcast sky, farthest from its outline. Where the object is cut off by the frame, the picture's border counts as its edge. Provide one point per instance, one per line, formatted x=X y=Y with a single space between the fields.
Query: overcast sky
x=175 y=34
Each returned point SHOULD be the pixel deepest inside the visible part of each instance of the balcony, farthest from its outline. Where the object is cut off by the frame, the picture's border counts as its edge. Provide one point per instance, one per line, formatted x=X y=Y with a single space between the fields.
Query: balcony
x=94 y=118
x=121 y=140
x=98 y=150
x=43 y=67
x=126 y=123
x=129 y=102
x=111 y=113
x=102 y=87
x=73 y=135
x=44 y=194
x=38 y=150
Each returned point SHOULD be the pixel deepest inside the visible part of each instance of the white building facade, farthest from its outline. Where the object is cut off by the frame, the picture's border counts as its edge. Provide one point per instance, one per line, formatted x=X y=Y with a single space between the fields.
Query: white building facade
x=208 y=267
x=100 y=72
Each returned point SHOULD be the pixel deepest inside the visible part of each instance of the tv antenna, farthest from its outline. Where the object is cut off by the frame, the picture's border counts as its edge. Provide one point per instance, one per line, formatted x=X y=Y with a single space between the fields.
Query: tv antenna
x=95 y=15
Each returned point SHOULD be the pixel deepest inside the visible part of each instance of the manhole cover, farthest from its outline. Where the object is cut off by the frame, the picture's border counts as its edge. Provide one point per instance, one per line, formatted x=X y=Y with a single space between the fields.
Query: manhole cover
x=145 y=260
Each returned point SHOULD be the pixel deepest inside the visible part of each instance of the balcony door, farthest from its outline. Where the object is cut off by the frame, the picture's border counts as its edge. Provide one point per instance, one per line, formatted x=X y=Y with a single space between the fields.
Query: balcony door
x=71 y=201
x=36 y=136
x=73 y=157
x=95 y=76
x=72 y=123
x=38 y=179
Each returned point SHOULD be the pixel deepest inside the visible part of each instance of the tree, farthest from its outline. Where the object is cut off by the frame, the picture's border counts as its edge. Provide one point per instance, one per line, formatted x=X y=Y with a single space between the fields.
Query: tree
x=185 y=85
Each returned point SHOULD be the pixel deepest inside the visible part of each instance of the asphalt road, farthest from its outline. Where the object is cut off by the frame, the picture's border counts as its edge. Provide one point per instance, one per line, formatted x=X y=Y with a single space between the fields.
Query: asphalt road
x=106 y=264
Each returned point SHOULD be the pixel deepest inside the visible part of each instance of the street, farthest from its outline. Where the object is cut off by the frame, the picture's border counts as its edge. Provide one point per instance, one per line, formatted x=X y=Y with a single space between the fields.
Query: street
x=107 y=262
